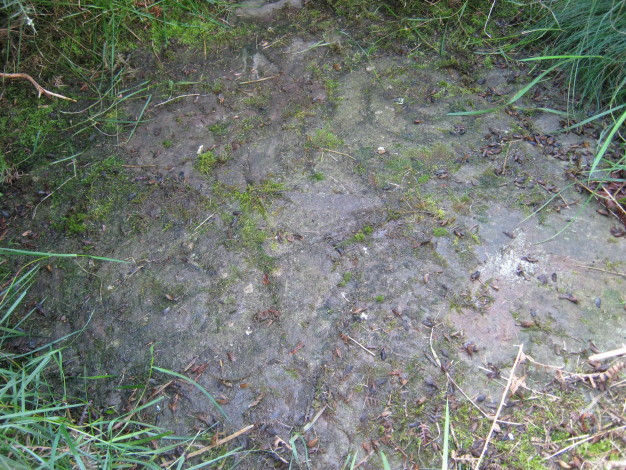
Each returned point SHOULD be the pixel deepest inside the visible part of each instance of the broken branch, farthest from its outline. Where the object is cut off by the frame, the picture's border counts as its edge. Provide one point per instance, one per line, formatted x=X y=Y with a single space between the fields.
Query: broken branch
x=40 y=90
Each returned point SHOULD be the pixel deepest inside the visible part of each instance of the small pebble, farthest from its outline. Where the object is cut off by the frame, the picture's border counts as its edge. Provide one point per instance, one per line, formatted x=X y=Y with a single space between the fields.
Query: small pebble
x=430 y=382
x=598 y=302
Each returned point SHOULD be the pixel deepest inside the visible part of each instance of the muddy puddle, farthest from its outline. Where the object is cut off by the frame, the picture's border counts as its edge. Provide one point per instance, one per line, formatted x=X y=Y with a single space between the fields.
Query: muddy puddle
x=319 y=238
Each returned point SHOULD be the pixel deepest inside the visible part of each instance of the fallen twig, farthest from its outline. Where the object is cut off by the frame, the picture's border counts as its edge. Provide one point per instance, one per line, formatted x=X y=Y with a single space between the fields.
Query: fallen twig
x=607 y=355
x=55 y=190
x=259 y=80
x=582 y=441
x=168 y=168
x=602 y=377
x=593 y=268
x=504 y=394
x=40 y=90
x=176 y=98
x=364 y=459
x=219 y=442
x=335 y=151
x=203 y=222
x=360 y=345
x=310 y=424
x=468 y=398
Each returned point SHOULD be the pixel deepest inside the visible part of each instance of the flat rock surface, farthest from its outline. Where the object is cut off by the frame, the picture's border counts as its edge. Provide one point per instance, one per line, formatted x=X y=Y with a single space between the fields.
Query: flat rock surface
x=392 y=231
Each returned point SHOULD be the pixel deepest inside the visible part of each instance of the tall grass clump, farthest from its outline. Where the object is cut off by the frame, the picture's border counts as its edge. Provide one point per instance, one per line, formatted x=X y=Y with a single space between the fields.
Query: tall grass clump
x=587 y=41
x=42 y=425
x=591 y=35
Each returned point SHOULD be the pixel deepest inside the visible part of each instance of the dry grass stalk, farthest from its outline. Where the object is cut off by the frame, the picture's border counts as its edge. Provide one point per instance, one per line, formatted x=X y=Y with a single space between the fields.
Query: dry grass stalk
x=221 y=441
x=504 y=395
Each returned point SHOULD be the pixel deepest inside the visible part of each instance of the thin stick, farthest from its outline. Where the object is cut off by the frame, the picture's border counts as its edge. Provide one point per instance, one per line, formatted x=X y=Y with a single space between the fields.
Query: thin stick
x=148 y=166
x=433 y=349
x=221 y=441
x=160 y=388
x=267 y=46
x=506 y=156
x=338 y=182
x=607 y=355
x=438 y=361
x=547 y=366
x=203 y=222
x=56 y=189
x=40 y=90
x=317 y=44
x=176 y=98
x=504 y=394
x=315 y=418
x=582 y=441
x=601 y=270
x=612 y=198
x=488 y=17
x=259 y=80
x=364 y=459
x=470 y=400
x=335 y=151
x=360 y=345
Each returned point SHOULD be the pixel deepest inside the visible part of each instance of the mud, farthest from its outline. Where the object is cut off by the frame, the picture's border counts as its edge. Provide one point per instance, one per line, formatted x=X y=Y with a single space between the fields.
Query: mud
x=332 y=291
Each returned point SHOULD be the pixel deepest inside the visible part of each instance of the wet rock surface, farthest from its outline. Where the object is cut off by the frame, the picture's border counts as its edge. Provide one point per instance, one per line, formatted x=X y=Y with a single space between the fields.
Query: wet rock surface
x=332 y=289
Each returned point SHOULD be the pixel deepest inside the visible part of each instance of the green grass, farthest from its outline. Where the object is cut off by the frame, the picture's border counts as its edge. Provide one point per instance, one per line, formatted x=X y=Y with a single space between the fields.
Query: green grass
x=584 y=42
x=345 y=279
x=326 y=139
x=318 y=176
x=591 y=34
x=91 y=196
x=446 y=439
x=206 y=161
x=219 y=129
x=440 y=232
x=42 y=423
x=81 y=51
x=587 y=40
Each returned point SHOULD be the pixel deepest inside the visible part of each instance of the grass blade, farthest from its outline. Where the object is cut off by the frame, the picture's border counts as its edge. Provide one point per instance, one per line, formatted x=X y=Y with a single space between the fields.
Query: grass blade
x=515 y=97
x=607 y=141
x=136 y=123
x=56 y=255
x=569 y=56
x=383 y=457
x=446 y=439
x=197 y=385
